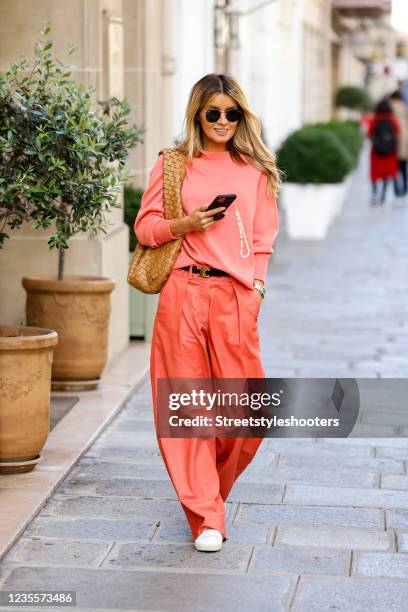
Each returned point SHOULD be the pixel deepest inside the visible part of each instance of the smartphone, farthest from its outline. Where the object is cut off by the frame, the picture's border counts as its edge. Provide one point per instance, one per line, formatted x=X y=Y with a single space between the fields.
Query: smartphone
x=223 y=199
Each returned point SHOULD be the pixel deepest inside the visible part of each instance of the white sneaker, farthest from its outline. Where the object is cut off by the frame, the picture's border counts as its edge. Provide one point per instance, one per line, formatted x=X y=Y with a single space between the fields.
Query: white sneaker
x=209 y=540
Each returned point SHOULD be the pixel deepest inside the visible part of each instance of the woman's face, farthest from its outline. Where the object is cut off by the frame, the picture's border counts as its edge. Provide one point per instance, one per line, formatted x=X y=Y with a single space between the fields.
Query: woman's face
x=217 y=134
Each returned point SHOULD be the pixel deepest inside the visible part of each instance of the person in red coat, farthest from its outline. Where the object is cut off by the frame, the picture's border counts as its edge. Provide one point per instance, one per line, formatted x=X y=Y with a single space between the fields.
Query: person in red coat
x=384 y=132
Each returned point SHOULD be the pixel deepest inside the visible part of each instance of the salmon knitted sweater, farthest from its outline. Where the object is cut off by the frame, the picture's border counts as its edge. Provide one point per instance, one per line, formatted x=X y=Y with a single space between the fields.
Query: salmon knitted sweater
x=238 y=244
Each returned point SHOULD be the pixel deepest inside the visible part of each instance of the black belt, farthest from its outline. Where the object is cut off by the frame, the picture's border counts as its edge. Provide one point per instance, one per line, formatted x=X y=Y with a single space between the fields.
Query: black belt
x=205 y=272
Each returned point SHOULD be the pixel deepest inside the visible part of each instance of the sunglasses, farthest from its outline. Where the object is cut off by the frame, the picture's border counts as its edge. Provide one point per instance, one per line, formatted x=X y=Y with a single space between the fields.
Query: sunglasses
x=232 y=115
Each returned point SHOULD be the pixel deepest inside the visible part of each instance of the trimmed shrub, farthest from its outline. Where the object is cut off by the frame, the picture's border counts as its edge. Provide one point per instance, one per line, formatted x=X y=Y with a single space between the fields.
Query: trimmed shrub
x=355 y=98
x=349 y=134
x=314 y=155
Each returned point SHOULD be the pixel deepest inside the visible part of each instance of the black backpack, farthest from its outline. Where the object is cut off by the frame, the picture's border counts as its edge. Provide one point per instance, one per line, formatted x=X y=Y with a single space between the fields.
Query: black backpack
x=384 y=138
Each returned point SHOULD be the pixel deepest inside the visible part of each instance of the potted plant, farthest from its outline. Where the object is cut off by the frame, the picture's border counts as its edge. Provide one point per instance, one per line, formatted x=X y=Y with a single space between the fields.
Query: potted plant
x=350 y=135
x=142 y=306
x=62 y=165
x=315 y=164
x=26 y=355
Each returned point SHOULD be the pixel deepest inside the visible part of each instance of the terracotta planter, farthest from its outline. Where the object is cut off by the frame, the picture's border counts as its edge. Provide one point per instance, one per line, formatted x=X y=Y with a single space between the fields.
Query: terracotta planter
x=26 y=355
x=78 y=308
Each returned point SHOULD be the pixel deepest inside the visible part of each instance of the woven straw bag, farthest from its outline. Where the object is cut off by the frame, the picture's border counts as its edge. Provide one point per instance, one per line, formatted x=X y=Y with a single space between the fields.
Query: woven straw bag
x=151 y=266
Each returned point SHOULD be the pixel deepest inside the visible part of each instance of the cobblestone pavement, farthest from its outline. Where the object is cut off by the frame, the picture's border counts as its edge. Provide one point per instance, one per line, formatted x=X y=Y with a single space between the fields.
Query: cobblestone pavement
x=339 y=307
x=314 y=524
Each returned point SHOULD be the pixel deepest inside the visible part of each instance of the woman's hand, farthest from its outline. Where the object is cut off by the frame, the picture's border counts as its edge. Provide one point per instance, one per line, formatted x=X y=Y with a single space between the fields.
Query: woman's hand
x=201 y=219
x=259 y=282
x=259 y=296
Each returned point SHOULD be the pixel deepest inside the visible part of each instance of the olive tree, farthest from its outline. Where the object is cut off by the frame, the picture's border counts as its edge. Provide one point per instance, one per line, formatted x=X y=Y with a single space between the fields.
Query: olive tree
x=61 y=161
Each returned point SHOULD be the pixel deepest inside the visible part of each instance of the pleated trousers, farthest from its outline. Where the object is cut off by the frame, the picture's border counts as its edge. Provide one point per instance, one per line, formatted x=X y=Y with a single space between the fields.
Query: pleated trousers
x=205 y=328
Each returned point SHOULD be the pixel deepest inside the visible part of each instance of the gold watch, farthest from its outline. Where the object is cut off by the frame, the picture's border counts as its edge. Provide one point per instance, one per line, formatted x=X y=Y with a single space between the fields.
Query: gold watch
x=260 y=287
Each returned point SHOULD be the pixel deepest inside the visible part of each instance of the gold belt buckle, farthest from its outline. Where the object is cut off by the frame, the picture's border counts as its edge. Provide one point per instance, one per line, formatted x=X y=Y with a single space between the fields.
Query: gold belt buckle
x=203 y=272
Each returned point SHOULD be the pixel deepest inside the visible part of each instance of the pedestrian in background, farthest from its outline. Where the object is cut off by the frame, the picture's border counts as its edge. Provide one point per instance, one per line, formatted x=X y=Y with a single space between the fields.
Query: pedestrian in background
x=384 y=134
x=206 y=323
x=400 y=110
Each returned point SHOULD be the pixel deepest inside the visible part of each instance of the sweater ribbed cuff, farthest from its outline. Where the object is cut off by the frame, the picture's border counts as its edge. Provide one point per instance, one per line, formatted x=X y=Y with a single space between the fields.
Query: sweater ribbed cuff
x=162 y=232
x=261 y=266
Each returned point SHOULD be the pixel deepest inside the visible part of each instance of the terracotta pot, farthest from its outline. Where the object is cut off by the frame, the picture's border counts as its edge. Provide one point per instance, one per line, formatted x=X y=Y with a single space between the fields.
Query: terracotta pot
x=78 y=308
x=25 y=374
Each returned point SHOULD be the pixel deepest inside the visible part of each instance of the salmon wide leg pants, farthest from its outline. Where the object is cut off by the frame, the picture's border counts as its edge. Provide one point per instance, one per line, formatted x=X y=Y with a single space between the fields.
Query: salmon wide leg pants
x=205 y=328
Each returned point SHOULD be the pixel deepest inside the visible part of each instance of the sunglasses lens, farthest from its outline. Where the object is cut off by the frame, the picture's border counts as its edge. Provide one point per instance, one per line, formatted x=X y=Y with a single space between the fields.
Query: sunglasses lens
x=233 y=115
x=212 y=115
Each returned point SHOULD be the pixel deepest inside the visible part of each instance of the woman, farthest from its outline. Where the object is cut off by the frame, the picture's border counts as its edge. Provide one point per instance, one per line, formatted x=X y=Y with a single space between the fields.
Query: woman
x=384 y=131
x=206 y=321
x=400 y=110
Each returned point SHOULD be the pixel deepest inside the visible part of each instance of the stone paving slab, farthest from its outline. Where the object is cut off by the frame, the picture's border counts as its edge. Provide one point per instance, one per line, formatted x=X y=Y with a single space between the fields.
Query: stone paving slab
x=110 y=530
x=402 y=541
x=316 y=476
x=285 y=514
x=131 y=426
x=395 y=481
x=374 y=442
x=397 y=518
x=393 y=418
x=233 y=558
x=318 y=594
x=52 y=552
x=367 y=430
x=119 y=453
x=128 y=439
x=380 y=564
x=111 y=469
x=385 y=466
x=256 y=493
x=112 y=507
x=335 y=537
x=123 y=487
x=317 y=561
x=342 y=496
x=170 y=592
x=319 y=447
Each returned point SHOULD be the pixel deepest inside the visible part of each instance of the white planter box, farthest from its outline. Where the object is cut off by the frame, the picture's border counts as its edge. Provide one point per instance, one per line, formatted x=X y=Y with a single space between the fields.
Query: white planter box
x=344 y=188
x=309 y=209
x=338 y=198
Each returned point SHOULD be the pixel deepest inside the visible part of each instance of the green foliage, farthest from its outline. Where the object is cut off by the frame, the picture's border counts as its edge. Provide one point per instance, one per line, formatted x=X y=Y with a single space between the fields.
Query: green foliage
x=60 y=161
x=355 y=98
x=348 y=133
x=132 y=201
x=314 y=154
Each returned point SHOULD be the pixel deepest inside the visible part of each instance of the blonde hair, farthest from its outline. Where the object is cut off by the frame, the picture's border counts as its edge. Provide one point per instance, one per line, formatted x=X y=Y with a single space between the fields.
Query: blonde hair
x=247 y=137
